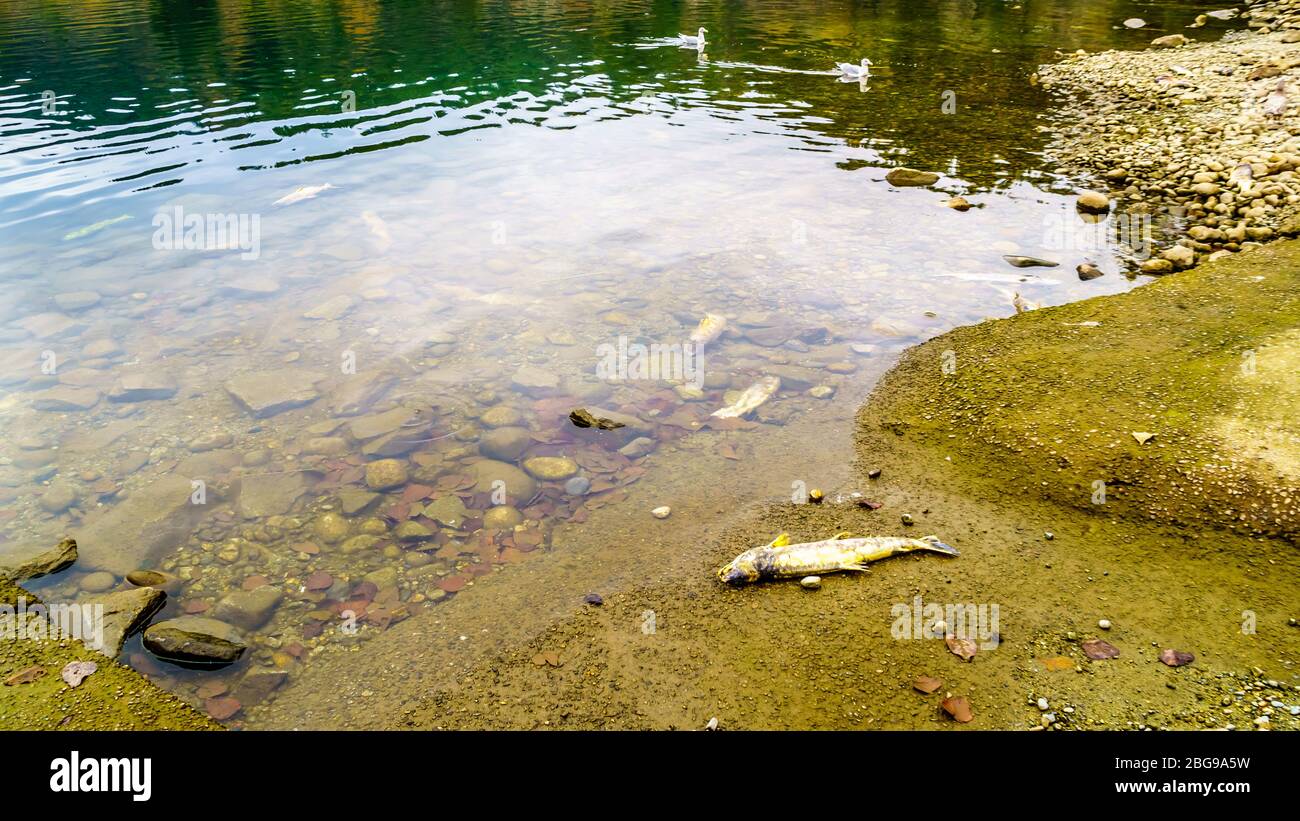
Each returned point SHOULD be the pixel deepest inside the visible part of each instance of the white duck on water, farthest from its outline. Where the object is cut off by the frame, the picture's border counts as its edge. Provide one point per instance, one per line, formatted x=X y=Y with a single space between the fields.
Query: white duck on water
x=862 y=70
x=694 y=42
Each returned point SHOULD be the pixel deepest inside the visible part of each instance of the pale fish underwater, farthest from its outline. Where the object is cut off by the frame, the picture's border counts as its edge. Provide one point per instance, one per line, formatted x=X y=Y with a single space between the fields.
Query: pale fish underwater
x=782 y=560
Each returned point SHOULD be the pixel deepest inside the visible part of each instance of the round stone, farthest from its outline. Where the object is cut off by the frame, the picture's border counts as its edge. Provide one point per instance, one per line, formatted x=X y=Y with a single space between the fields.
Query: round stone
x=501 y=417
x=331 y=527
x=502 y=517
x=577 y=486
x=97 y=582
x=505 y=443
x=550 y=468
x=385 y=473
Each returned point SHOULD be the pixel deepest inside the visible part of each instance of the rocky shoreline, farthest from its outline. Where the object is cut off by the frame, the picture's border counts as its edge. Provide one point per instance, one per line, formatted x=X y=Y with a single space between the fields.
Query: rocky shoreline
x=1198 y=138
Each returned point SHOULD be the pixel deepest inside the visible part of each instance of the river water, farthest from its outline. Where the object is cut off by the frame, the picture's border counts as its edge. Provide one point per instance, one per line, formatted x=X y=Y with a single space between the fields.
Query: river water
x=292 y=290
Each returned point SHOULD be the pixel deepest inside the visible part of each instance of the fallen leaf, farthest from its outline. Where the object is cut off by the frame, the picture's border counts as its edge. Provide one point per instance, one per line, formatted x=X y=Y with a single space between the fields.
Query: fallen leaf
x=75 y=672
x=320 y=580
x=1056 y=663
x=927 y=684
x=1097 y=649
x=869 y=505
x=962 y=648
x=959 y=708
x=25 y=676
x=1176 y=658
x=254 y=582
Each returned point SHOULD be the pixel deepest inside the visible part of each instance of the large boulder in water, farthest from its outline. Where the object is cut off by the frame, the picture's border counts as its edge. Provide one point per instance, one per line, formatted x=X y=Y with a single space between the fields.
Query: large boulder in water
x=195 y=640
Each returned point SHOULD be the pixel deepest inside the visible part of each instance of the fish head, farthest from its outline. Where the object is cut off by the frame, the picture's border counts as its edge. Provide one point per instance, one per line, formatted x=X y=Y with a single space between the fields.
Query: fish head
x=740 y=570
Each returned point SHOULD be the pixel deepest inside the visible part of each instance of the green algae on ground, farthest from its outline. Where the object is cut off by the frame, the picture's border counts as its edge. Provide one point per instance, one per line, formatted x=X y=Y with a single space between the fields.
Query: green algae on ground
x=114 y=697
x=1048 y=402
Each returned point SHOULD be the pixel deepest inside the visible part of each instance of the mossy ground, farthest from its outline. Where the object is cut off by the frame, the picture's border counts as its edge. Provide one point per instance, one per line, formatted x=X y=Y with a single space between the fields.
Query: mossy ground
x=1048 y=403
x=114 y=697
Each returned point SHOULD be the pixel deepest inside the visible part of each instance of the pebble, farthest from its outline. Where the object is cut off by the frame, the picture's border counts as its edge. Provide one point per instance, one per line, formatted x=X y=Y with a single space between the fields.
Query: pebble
x=661 y=512
x=577 y=486
x=1104 y=624
x=811 y=582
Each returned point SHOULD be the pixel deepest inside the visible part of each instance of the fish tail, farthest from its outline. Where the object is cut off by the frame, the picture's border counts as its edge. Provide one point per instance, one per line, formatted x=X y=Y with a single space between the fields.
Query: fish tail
x=939 y=547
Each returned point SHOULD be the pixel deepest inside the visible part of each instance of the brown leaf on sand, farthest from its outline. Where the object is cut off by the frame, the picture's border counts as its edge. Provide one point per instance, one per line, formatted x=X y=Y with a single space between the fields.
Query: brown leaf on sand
x=1055 y=663
x=1176 y=658
x=962 y=648
x=25 y=676
x=1097 y=649
x=927 y=684
x=959 y=708
x=728 y=451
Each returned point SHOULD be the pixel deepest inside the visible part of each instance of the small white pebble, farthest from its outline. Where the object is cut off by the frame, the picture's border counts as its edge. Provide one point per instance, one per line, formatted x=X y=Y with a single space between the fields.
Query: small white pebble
x=811 y=582
x=1043 y=705
x=1104 y=624
x=661 y=512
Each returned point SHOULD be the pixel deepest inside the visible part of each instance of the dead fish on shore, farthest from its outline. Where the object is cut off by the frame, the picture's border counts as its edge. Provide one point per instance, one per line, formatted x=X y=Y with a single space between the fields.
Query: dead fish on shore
x=782 y=560
x=709 y=329
x=302 y=192
x=753 y=396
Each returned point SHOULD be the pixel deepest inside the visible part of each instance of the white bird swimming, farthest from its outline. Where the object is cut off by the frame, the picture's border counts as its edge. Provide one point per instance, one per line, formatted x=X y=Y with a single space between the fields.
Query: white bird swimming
x=862 y=70
x=695 y=42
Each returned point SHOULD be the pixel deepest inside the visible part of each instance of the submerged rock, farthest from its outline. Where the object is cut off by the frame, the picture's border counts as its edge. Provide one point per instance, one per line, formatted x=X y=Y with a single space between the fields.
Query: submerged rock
x=386 y=473
x=33 y=565
x=248 y=609
x=150 y=521
x=267 y=393
x=142 y=387
x=911 y=176
x=491 y=476
x=550 y=468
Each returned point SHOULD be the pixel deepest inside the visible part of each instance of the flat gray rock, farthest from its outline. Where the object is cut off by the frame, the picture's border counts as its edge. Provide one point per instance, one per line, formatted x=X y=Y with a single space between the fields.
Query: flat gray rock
x=267 y=393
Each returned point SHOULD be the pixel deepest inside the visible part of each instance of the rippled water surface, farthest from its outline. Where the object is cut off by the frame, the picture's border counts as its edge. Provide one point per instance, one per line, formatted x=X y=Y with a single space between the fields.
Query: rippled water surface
x=320 y=402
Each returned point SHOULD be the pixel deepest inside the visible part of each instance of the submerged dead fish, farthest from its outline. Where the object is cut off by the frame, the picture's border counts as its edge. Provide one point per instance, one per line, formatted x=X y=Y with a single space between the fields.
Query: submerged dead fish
x=94 y=229
x=302 y=192
x=755 y=395
x=709 y=329
x=378 y=228
x=781 y=560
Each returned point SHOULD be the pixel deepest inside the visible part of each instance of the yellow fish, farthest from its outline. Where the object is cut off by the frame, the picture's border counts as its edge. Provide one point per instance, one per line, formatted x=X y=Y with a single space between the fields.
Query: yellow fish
x=782 y=560
x=709 y=329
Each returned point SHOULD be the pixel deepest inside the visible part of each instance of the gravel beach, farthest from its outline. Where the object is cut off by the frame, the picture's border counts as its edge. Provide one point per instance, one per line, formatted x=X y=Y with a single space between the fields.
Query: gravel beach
x=1201 y=136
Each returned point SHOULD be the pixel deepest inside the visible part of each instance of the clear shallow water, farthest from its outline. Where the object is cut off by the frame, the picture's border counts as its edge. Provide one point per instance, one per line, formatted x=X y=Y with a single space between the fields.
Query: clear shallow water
x=512 y=187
